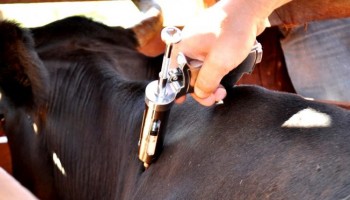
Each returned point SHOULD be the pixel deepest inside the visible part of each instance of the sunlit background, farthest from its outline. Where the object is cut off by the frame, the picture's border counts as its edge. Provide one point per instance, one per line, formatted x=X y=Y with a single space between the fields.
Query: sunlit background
x=114 y=13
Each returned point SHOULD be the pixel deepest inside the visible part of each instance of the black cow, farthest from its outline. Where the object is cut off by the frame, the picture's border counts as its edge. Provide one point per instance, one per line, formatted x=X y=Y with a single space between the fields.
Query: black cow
x=73 y=108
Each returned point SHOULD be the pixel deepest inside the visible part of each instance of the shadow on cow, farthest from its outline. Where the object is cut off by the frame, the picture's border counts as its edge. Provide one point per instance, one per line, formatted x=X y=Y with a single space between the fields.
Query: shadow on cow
x=72 y=97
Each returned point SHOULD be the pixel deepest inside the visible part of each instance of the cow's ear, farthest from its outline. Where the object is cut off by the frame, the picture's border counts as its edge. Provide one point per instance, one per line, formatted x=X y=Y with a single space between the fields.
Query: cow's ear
x=148 y=30
x=23 y=77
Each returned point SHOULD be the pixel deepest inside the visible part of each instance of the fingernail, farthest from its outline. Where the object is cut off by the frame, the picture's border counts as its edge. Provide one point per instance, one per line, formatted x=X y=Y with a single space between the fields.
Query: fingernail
x=219 y=102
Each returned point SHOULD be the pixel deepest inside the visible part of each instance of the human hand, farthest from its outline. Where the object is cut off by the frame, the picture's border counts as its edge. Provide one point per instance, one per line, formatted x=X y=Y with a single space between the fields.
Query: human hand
x=222 y=37
x=12 y=189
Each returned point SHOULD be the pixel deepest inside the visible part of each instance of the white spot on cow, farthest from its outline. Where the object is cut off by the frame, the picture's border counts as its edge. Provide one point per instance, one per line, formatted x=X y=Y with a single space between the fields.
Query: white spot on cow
x=35 y=128
x=3 y=140
x=58 y=163
x=0 y=96
x=308 y=118
x=309 y=98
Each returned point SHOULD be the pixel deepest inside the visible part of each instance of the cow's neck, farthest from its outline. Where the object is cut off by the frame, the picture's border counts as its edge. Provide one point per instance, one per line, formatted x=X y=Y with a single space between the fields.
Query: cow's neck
x=106 y=115
x=130 y=102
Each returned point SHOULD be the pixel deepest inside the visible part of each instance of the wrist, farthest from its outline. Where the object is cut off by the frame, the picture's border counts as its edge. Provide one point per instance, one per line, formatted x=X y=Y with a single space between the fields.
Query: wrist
x=258 y=8
x=251 y=11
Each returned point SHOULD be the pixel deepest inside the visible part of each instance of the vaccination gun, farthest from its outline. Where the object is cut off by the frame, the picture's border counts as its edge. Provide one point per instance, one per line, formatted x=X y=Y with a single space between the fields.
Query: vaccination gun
x=173 y=83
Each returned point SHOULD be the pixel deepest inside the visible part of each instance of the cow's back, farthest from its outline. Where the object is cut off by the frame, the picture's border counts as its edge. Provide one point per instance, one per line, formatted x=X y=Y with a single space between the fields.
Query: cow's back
x=66 y=42
x=258 y=145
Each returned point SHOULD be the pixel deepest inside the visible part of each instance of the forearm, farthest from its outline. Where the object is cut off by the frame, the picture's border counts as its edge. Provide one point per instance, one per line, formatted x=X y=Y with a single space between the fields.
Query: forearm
x=302 y=11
